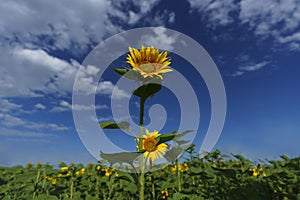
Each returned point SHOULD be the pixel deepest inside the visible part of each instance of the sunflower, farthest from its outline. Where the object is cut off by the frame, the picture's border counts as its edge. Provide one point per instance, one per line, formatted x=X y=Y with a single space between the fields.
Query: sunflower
x=153 y=151
x=149 y=62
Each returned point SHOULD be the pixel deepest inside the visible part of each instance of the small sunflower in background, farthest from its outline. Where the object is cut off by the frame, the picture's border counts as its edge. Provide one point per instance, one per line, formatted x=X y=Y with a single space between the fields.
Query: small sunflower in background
x=164 y=194
x=152 y=150
x=149 y=62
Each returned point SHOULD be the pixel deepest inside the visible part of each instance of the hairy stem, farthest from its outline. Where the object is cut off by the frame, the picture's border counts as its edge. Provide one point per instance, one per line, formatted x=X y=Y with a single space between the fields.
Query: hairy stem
x=141 y=158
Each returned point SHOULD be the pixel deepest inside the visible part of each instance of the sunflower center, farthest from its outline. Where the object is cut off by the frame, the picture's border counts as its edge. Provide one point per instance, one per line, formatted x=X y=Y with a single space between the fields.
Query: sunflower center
x=148 y=67
x=150 y=144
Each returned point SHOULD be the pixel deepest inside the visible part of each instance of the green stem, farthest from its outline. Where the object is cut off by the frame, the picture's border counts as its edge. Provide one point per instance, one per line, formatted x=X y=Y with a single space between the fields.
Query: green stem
x=141 y=158
x=97 y=186
x=72 y=187
x=35 y=184
x=153 y=188
x=178 y=176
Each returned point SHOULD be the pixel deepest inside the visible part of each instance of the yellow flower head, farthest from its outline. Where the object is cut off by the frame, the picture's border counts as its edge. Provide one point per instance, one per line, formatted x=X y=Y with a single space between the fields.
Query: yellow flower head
x=90 y=165
x=80 y=172
x=69 y=173
x=38 y=165
x=108 y=172
x=153 y=151
x=53 y=181
x=149 y=62
x=164 y=194
x=64 y=169
x=29 y=165
x=98 y=168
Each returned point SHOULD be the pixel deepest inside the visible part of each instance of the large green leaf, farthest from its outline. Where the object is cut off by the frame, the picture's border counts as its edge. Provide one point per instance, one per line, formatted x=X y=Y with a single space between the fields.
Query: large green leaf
x=128 y=73
x=147 y=90
x=115 y=125
x=123 y=157
x=121 y=71
x=172 y=154
x=165 y=138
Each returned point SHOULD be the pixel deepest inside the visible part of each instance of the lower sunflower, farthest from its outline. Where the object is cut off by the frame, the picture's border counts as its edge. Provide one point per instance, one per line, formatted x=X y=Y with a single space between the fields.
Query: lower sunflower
x=152 y=150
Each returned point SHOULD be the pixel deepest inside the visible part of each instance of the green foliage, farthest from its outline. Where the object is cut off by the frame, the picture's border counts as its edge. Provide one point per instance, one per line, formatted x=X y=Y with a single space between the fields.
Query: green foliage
x=115 y=125
x=123 y=157
x=147 y=90
x=215 y=176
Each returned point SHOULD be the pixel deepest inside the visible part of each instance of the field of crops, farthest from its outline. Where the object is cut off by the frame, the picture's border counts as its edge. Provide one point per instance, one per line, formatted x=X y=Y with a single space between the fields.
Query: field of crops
x=216 y=176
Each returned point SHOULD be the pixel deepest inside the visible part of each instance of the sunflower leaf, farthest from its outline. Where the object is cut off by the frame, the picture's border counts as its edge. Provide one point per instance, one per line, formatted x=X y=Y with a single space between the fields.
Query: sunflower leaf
x=179 y=135
x=165 y=138
x=115 y=125
x=147 y=90
x=174 y=152
x=123 y=157
x=121 y=71
x=128 y=73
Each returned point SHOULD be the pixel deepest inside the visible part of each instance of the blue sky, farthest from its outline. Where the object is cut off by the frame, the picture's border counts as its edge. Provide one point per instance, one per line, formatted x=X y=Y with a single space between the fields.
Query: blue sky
x=255 y=45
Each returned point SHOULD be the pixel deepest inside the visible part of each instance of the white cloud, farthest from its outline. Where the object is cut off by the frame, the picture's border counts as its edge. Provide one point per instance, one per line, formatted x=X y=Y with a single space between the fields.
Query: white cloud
x=129 y=13
x=40 y=106
x=57 y=127
x=27 y=67
x=41 y=58
x=66 y=106
x=131 y=17
x=24 y=71
x=293 y=37
x=160 y=39
x=217 y=12
x=250 y=67
x=279 y=19
x=13 y=132
x=237 y=73
x=254 y=67
x=9 y=120
x=54 y=25
x=51 y=75
x=7 y=106
x=107 y=88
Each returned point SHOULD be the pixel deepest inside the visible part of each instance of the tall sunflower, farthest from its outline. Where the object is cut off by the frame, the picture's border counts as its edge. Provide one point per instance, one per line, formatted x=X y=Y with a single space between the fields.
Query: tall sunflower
x=153 y=151
x=149 y=62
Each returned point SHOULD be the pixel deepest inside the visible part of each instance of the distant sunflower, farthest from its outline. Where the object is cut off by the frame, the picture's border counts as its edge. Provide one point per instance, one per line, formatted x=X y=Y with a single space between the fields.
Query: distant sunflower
x=149 y=62
x=153 y=151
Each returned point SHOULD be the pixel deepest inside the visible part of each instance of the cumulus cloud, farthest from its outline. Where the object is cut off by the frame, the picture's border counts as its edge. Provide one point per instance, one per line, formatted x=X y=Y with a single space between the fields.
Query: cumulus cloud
x=159 y=38
x=277 y=19
x=54 y=25
x=8 y=106
x=8 y=120
x=128 y=13
x=13 y=132
x=40 y=106
x=216 y=12
x=24 y=71
x=280 y=19
x=108 y=88
x=66 y=106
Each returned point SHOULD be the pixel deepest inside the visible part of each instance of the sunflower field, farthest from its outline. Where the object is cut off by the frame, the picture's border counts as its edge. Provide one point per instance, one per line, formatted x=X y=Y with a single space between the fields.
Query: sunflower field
x=214 y=176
